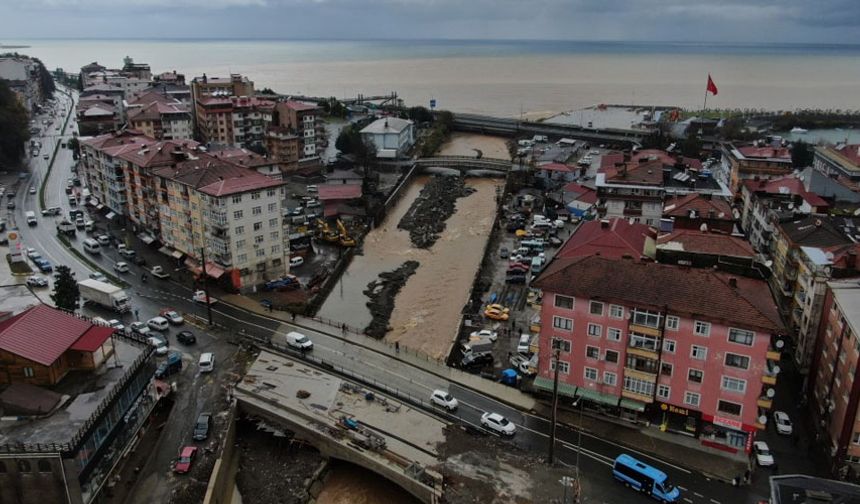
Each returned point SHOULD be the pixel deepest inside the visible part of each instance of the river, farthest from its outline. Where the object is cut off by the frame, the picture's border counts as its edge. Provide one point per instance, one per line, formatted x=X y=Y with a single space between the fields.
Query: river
x=351 y=484
x=426 y=312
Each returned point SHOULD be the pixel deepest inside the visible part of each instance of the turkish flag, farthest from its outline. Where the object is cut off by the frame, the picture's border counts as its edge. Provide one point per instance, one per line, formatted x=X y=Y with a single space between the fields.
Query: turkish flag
x=712 y=88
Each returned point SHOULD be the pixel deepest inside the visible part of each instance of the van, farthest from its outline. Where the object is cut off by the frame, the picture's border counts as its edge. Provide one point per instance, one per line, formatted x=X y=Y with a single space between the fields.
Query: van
x=89 y=226
x=537 y=264
x=645 y=479
x=299 y=341
x=206 y=362
x=72 y=200
x=476 y=347
x=524 y=343
x=92 y=246
x=31 y=218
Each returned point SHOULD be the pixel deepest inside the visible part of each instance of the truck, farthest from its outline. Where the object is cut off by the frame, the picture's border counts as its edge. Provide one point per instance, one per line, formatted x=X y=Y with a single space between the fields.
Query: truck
x=104 y=294
x=158 y=272
x=67 y=228
x=476 y=347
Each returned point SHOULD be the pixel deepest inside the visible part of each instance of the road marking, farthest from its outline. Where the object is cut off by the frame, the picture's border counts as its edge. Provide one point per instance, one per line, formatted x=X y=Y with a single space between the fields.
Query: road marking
x=688 y=500
x=585 y=451
x=682 y=488
x=715 y=501
x=697 y=494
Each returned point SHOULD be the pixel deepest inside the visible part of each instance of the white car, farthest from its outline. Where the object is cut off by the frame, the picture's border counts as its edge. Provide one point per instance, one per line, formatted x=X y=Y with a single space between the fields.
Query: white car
x=485 y=334
x=159 y=344
x=99 y=321
x=158 y=324
x=444 y=399
x=37 y=281
x=200 y=297
x=499 y=424
x=173 y=317
x=763 y=457
x=783 y=423
x=104 y=240
x=137 y=328
x=33 y=190
x=121 y=267
x=297 y=261
x=33 y=253
x=116 y=324
x=98 y=276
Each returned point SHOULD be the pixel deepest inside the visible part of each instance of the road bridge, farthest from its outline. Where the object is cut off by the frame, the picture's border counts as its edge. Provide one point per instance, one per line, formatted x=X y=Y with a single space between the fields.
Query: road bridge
x=513 y=127
x=466 y=163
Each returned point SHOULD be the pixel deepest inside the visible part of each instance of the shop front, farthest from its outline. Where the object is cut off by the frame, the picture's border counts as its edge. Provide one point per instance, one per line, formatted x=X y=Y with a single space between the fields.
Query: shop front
x=676 y=419
x=727 y=434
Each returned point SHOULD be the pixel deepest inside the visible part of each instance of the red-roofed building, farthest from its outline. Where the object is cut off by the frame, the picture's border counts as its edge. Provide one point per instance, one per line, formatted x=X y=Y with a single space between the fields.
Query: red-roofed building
x=333 y=196
x=682 y=244
x=578 y=199
x=693 y=210
x=304 y=120
x=559 y=172
x=839 y=160
x=751 y=161
x=687 y=348
x=160 y=116
x=40 y=345
x=615 y=238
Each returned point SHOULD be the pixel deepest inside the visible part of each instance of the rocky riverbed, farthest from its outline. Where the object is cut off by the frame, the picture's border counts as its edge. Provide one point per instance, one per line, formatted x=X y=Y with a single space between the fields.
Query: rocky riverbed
x=381 y=293
x=426 y=218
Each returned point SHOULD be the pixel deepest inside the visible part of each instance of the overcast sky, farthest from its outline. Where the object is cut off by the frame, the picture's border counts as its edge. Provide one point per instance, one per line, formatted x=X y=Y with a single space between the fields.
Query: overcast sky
x=829 y=21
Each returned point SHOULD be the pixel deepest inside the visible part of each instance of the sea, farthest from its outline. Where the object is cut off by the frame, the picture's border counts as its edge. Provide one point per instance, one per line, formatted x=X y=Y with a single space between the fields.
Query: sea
x=502 y=78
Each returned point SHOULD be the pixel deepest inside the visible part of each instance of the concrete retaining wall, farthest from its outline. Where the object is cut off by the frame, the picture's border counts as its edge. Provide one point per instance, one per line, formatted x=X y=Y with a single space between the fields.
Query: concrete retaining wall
x=223 y=479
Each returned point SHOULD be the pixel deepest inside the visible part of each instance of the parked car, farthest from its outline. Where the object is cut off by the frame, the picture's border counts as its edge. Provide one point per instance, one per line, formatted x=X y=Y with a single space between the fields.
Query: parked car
x=504 y=252
x=32 y=190
x=120 y=267
x=201 y=427
x=37 y=281
x=116 y=325
x=783 y=423
x=200 y=297
x=186 y=338
x=172 y=316
x=104 y=240
x=763 y=457
x=127 y=253
x=485 y=334
x=10 y=205
x=206 y=362
x=171 y=365
x=524 y=343
x=159 y=343
x=138 y=328
x=498 y=424
x=475 y=361
x=158 y=324
x=33 y=253
x=186 y=459
x=43 y=265
x=98 y=276
x=444 y=399
x=296 y=261
x=496 y=312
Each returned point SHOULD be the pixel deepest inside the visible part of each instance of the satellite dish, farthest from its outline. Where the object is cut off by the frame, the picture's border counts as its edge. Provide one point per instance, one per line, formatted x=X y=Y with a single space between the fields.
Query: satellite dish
x=768 y=263
x=770 y=393
x=762 y=420
x=791 y=206
x=857 y=212
x=780 y=344
x=776 y=370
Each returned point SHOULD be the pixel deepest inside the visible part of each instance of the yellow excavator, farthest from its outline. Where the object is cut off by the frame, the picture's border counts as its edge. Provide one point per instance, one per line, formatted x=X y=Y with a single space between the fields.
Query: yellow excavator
x=344 y=239
x=326 y=233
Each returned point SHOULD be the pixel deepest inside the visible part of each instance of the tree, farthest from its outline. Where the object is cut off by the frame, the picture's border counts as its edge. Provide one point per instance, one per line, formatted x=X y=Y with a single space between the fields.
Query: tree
x=802 y=154
x=691 y=146
x=268 y=91
x=75 y=145
x=66 y=293
x=14 y=125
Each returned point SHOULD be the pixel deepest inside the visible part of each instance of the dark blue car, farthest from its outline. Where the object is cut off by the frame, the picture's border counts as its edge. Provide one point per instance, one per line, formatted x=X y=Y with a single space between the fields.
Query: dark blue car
x=44 y=265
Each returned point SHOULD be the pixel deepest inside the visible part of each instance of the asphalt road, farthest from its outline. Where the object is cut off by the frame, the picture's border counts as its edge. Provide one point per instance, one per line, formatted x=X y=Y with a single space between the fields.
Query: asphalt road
x=196 y=392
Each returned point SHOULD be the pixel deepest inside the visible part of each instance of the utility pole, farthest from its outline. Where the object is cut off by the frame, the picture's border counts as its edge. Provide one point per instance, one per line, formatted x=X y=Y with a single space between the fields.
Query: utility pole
x=556 y=350
x=205 y=283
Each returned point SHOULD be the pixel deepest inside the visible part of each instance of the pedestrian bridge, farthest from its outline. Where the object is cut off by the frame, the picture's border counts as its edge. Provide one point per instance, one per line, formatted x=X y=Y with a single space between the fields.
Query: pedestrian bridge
x=466 y=163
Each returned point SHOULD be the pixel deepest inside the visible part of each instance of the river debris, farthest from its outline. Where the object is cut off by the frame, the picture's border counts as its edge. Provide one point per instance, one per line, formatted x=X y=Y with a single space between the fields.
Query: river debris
x=382 y=293
x=426 y=218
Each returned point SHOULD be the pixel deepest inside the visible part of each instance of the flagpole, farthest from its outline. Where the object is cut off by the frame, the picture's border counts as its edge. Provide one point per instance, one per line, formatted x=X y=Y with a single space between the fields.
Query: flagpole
x=705 y=105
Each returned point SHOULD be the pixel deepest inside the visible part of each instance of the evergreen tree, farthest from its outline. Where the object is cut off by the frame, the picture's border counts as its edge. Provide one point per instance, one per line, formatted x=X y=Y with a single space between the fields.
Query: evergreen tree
x=66 y=293
x=802 y=154
x=14 y=125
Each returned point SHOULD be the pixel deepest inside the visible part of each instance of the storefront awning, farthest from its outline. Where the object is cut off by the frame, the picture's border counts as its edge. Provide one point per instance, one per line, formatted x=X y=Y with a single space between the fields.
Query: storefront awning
x=173 y=253
x=595 y=396
x=110 y=216
x=545 y=384
x=212 y=269
x=146 y=238
x=632 y=405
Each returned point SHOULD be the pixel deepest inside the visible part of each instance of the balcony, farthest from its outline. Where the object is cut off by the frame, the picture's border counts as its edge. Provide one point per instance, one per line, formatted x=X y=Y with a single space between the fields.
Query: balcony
x=642 y=369
x=771 y=370
x=636 y=396
x=764 y=402
x=643 y=346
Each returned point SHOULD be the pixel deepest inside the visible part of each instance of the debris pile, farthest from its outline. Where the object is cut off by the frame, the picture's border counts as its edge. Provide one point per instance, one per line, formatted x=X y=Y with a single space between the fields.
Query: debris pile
x=381 y=293
x=426 y=218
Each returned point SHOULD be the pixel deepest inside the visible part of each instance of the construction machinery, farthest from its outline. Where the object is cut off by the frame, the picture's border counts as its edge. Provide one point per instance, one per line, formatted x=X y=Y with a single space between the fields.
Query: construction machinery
x=343 y=238
x=326 y=233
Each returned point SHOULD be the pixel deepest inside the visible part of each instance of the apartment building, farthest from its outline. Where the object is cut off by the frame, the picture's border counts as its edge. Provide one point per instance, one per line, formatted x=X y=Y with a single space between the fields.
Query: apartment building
x=22 y=75
x=833 y=392
x=159 y=116
x=694 y=210
x=233 y=121
x=694 y=350
x=102 y=167
x=391 y=136
x=283 y=148
x=838 y=160
x=305 y=121
x=232 y=212
x=759 y=159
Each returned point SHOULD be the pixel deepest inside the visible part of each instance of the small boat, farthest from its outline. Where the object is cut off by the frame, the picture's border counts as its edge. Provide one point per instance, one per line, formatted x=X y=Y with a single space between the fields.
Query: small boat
x=798 y=129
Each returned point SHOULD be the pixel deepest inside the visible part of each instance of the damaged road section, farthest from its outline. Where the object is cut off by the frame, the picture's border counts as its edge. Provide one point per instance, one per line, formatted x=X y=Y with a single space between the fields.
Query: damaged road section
x=382 y=293
x=426 y=218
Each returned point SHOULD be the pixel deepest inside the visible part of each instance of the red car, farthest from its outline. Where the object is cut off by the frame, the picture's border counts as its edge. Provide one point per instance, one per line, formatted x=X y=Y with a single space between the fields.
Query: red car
x=186 y=458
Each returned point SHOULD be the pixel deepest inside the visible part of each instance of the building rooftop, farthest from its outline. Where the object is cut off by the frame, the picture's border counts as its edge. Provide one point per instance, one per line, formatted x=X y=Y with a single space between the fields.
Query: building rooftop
x=300 y=106
x=577 y=192
x=216 y=177
x=822 y=230
x=609 y=238
x=387 y=125
x=846 y=155
x=786 y=185
x=697 y=242
x=804 y=489
x=241 y=157
x=703 y=205
x=762 y=153
x=701 y=293
x=339 y=191
x=557 y=167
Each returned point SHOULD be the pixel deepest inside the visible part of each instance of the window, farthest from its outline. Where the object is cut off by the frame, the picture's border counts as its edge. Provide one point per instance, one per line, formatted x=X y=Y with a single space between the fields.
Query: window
x=738 y=361
x=616 y=311
x=692 y=398
x=595 y=330
x=702 y=328
x=698 y=352
x=695 y=375
x=28 y=372
x=23 y=465
x=273 y=222
x=663 y=391
x=258 y=226
x=590 y=374
x=562 y=323
x=270 y=193
x=741 y=336
x=44 y=466
x=637 y=386
x=669 y=346
x=592 y=352
x=564 y=302
x=645 y=341
x=256 y=210
x=647 y=318
x=855 y=438
x=563 y=367
x=255 y=195
x=240 y=230
x=273 y=207
x=729 y=408
x=613 y=334
x=237 y=198
x=595 y=308
x=610 y=378
x=242 y=258
x=734 y=384
x=237 y=214
x=240 y=243
x=261 y=252
x=276 y=249
x=561 y=344
x=258 y=239
x=611 y=356
x=274 y=235
x=665 y=369
x=673 y=323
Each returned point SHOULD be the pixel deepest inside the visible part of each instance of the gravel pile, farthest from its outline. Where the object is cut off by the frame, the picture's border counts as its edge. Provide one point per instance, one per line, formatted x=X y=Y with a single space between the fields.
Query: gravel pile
x=381 y=293
x=426 y=218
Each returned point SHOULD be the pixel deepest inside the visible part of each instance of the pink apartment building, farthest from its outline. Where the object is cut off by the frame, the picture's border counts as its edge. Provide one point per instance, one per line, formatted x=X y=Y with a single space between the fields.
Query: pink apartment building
x=693 y=350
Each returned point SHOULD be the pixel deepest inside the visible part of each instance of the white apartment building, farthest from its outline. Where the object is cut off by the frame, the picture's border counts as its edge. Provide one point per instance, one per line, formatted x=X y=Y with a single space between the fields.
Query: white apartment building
x=392 y=136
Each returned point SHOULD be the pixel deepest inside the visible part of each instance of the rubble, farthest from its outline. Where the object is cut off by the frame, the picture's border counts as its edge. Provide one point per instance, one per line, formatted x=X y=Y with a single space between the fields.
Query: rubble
x=426 y=218
x=382 y=293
